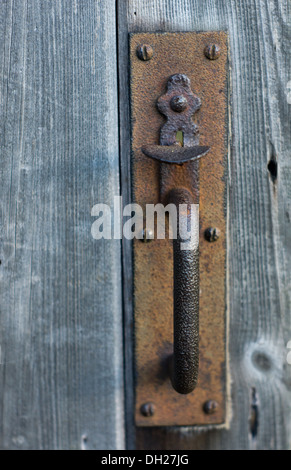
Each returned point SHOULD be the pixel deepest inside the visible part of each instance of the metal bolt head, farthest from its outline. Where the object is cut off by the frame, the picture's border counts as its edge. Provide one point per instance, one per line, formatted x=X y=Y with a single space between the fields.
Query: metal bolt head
x=179 y=103
x=210 y=407
x=148 y=235
x=147 y=409
x=212 y=234
x=212 y=51
x=144 y=52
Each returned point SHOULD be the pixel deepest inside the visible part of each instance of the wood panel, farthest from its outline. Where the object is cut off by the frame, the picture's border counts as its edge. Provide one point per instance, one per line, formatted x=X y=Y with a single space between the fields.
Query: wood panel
x=259 y=253
x=61 y=366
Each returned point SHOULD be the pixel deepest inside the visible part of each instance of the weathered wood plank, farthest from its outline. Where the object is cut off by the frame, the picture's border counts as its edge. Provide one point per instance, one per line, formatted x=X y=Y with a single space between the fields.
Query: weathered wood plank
x=259 y=248
x=125 y=178
x=61 y=366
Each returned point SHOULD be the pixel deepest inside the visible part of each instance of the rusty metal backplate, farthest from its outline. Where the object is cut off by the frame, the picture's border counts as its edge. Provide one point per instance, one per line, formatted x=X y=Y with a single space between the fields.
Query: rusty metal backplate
x=153 y=262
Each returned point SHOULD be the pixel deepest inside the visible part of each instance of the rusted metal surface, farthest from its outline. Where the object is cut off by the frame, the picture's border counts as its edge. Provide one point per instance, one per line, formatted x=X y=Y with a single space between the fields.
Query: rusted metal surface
x=212 y=234
x=179 y=104
x=147 y=410
x=144 y=52
x=174 y=153
x=186 y=297
x=153 y=262
x=212 y=51
x=210 y=407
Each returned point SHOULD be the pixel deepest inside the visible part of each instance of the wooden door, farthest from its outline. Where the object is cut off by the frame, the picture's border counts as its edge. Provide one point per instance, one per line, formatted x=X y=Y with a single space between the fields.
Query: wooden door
x=61 y=316
x=259 y=238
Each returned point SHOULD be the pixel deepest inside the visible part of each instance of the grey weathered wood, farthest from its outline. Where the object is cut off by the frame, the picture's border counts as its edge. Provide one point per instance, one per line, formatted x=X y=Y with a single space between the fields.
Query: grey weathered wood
x=61 y=369
x=125 y=178
x=259 y=249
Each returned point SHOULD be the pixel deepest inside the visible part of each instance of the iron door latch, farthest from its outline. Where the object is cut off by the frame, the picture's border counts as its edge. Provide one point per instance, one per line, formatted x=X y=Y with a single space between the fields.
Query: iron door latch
x=165 y=69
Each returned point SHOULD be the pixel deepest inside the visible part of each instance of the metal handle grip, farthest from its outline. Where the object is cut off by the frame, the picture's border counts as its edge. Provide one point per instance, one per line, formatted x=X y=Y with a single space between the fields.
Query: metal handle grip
x=186 y=273
x=179 y=104
x=186 y=299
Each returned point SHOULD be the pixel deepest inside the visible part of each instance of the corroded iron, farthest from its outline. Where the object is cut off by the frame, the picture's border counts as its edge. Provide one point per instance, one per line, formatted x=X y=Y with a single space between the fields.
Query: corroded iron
x=153 y=262
x=212 y=51
x=174 y=153
x=178 y=104
x=144 y=52
x=147 y=410
x=186 y=299
x=210 y=407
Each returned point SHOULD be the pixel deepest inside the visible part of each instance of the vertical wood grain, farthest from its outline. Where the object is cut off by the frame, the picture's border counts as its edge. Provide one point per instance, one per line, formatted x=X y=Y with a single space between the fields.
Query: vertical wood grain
x=259 y=248
x=61 y=367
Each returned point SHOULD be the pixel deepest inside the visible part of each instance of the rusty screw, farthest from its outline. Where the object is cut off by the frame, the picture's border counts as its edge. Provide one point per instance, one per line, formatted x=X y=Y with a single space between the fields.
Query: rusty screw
x=212 y=234
x=147 y=235
x=210 y=407
x=147 y=410
x=212 y=51
x=179 y=103
x=144 y=52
